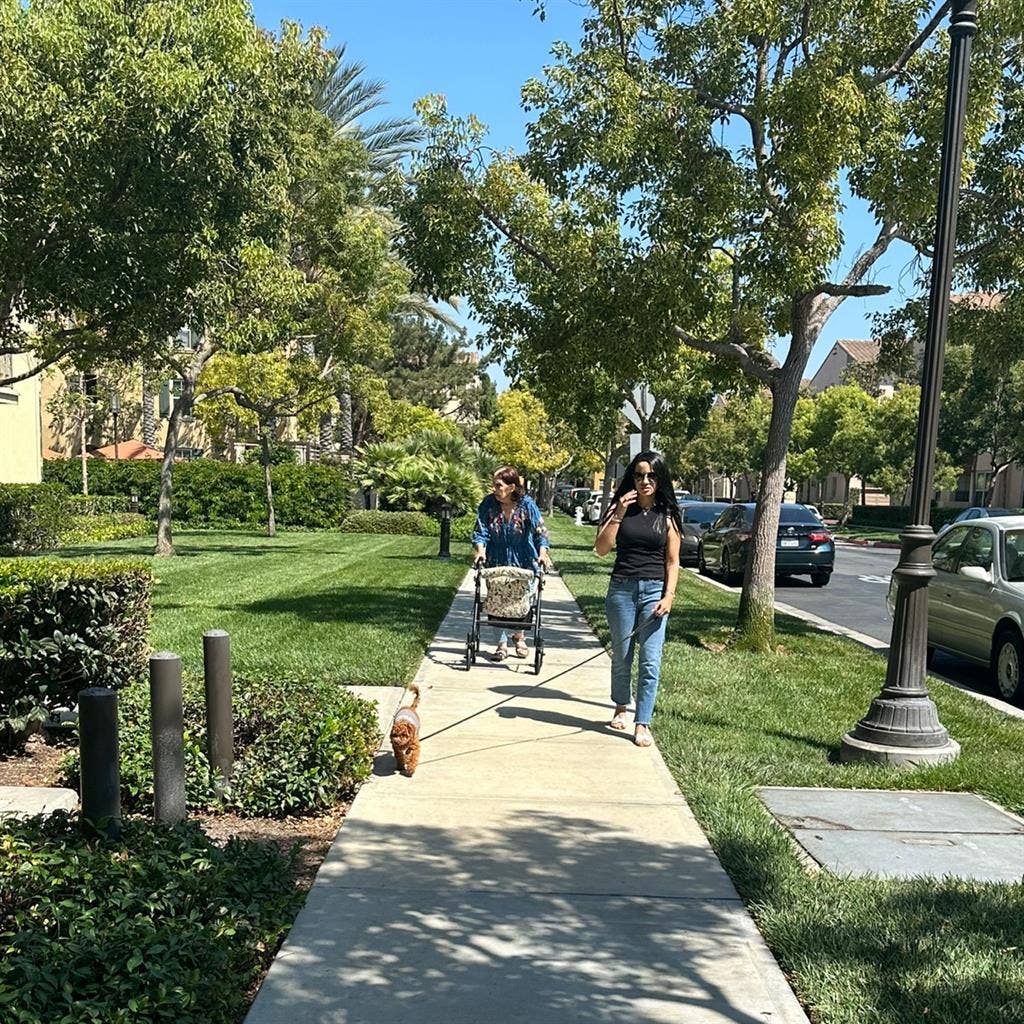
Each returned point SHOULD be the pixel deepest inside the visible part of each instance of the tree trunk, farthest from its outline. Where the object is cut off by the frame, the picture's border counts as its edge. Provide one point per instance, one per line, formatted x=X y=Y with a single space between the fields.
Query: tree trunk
x=164 y=544
x=345 y=419
x=757 y=602
x=326 y=433
x=606 y=483
x=645 y=435
x=268 y=484
x=84 y=454
x=148 y=419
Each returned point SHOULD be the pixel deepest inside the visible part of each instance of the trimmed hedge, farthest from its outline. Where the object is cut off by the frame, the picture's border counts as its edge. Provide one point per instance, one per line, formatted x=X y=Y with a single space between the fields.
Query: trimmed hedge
x=416 y=524
x=167 y=927
x=832 y=509
x=301 y=746
x=99 y=504
x=64 y=626
x=212 y=493
x=32 y=516
x=895 y=517
x=102 y=527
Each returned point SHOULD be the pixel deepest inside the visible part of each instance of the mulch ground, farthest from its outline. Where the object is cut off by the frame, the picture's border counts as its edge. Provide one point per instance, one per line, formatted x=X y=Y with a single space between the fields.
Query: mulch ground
x=39 y=765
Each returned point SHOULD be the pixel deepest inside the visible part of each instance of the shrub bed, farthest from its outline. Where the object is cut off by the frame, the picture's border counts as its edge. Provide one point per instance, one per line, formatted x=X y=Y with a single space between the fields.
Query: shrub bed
x=416 y=524
x=65 y=625
x=32 y=516
x=212 y=493
x=301 y=746
x=105 y=526
x=895 y=517
x=167 y=927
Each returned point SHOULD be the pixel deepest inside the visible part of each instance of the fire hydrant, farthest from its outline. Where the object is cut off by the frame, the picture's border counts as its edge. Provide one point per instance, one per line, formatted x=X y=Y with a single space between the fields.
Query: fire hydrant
x=579 y=515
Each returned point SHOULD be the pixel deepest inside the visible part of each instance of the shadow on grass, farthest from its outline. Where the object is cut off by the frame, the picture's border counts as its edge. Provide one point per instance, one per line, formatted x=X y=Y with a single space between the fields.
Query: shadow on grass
x=413 y=608
x=733 y=726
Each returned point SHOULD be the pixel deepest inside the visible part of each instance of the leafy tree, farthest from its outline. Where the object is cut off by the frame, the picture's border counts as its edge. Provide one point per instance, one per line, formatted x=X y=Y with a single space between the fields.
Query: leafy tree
x=847 y=434
x=144 y=142
x=249 y=395
x=602 y=233
x=425 y=471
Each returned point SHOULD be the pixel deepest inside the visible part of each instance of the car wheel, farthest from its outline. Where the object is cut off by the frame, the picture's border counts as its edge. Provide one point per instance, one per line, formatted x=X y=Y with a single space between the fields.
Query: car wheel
x=820 y=579
x=1007 y=664
x=729 y=578
x=702 y=566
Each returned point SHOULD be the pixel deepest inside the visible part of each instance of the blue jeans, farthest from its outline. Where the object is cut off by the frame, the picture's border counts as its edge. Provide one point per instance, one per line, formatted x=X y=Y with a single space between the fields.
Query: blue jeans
x=629 y=603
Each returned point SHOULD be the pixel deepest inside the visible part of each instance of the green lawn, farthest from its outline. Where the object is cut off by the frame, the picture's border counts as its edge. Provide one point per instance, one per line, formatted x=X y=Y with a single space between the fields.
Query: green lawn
x=856 y=952
x=865 y=533
x=352 y=607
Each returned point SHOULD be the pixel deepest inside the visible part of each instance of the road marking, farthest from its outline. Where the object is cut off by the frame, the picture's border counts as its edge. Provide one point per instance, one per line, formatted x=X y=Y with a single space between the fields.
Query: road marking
x=874 y=579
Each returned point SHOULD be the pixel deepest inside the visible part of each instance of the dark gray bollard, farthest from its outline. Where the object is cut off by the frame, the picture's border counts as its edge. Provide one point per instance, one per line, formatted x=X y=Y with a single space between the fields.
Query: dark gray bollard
x=100 y=766
x=166 y=726
x=220 y=729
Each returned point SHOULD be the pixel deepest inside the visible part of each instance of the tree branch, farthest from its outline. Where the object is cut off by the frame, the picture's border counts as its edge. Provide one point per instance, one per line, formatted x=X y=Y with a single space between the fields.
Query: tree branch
x=762 y=370
x=8 y=381
x=513 y=237
x=859 y=291
x=904 y=57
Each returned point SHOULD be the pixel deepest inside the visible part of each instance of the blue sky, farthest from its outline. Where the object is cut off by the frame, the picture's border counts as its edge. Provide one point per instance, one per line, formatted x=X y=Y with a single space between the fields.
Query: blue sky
x=478 y=53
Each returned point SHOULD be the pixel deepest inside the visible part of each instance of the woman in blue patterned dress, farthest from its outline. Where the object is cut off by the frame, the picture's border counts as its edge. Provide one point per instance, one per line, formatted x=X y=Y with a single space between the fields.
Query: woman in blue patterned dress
x=510 y=531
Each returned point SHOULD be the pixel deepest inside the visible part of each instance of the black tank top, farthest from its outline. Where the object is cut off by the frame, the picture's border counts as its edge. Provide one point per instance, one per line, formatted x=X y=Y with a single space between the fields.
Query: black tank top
x=640 y=545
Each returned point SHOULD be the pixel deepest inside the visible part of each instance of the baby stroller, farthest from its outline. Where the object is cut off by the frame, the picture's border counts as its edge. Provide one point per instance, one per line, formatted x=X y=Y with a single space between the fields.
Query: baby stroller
x=509 y=605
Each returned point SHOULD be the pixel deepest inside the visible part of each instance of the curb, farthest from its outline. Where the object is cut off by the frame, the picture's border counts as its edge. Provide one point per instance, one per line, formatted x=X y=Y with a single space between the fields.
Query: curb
x=862 y=543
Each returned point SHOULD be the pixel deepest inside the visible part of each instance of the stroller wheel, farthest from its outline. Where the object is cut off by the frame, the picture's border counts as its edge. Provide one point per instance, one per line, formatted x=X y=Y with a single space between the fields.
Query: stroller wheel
x=470 y=650
x=538 y=656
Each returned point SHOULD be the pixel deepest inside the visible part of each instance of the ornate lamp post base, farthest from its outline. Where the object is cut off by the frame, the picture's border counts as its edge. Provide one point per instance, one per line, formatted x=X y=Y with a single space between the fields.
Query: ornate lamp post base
x=856 y=749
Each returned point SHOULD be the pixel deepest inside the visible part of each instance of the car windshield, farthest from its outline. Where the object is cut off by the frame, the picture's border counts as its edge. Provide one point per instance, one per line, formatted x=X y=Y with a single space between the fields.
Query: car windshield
x=1013 y=555
x=706 y=512
x=797 y=514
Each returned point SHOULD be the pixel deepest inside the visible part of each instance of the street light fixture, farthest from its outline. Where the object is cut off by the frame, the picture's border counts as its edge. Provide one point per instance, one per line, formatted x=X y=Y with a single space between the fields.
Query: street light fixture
x=115 y=412
x=902 y=725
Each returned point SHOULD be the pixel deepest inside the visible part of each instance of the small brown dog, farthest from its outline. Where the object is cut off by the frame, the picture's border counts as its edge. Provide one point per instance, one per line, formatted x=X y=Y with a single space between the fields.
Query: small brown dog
x=405 y=735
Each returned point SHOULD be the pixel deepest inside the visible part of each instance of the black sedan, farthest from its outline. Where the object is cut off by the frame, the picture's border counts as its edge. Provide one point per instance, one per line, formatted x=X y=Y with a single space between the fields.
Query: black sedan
x=804 y=547
x=697 y=518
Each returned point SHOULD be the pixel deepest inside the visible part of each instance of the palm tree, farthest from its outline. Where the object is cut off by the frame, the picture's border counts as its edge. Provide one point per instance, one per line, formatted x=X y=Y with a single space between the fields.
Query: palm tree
x=346 y=97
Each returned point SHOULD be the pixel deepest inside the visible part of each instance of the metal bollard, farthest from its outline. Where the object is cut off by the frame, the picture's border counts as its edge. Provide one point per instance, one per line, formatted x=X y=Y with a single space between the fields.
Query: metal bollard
x=100 y=767
x=166 y=726
x=220 y=730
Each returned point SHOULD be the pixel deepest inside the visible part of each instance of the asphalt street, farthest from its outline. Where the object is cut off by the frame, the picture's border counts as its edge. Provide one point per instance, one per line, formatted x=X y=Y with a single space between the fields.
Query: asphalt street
x=855 y=598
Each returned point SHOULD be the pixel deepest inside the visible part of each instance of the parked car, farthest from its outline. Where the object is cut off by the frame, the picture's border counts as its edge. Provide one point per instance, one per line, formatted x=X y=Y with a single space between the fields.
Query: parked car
x=578 y=496
x=804 y=547
x=976 y=600
x=976 y=512
x=813 y=509
x=595 y=508
x=697 y=519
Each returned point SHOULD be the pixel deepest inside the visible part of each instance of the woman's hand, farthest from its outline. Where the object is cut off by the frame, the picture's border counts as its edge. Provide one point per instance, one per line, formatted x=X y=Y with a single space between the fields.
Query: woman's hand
x=663 y=607
x=622 y=505
x=544 y=558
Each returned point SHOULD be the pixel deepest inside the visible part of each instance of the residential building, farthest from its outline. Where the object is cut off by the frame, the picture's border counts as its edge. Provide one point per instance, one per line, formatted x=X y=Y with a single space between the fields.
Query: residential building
x=21 y=447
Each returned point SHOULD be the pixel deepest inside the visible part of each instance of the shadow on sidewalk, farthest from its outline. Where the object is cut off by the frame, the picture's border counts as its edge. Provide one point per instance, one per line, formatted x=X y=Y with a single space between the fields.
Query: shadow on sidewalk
x=556 y=919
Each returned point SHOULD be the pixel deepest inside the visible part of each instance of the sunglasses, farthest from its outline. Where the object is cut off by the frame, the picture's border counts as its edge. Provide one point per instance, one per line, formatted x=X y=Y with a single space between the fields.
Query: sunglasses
x=644 y=476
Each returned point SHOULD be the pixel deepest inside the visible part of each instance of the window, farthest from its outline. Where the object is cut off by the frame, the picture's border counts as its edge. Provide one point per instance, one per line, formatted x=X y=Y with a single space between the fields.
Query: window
x=977 y=550
x=797 y=515
x=723 y=520
x=1013 y=556
x=982 y=481
x=188 y=454
x=963 y=488
x=945 y=552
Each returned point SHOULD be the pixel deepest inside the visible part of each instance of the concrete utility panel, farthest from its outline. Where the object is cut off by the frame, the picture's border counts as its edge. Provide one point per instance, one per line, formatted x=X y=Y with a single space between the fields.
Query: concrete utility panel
x=902 y=834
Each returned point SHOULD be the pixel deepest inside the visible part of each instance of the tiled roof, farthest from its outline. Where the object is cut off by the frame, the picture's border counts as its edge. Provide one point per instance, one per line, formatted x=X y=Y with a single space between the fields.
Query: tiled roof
x=978 y=300
x=129 y=450
x=860 y=351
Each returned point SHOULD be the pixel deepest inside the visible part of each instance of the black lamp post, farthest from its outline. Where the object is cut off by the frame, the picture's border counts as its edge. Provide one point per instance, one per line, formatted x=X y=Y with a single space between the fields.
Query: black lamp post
x=446 y=531
x=115 y=412
x=902 y=725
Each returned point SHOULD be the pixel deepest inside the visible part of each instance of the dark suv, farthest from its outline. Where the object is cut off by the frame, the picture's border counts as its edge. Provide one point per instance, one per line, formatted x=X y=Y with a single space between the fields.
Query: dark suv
x=804 y=547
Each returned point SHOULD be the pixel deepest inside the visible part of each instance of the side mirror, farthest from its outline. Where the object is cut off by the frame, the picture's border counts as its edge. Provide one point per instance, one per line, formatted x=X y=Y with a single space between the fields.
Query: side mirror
x=975 y=572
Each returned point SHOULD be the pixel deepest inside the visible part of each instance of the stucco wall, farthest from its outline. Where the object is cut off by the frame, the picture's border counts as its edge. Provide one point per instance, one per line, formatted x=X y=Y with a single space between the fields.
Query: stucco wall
x=21 y=459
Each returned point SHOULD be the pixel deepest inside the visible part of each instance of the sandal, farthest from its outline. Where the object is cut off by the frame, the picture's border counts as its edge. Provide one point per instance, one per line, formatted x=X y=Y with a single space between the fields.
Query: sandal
x=521 y=649
x=642 y=737
x=500 y=653
x=618 y=722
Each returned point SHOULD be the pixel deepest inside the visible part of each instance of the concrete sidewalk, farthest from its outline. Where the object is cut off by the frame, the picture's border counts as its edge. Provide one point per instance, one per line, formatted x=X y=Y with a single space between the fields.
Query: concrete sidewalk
x=537 y=868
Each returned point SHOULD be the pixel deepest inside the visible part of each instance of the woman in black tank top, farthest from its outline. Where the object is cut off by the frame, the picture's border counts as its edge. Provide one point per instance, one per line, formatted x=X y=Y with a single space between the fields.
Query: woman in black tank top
x=644 y=526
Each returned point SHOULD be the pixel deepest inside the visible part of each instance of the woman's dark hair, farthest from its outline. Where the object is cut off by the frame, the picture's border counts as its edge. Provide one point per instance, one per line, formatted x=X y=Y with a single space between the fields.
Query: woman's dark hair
x=510 y=475
x=664 y=495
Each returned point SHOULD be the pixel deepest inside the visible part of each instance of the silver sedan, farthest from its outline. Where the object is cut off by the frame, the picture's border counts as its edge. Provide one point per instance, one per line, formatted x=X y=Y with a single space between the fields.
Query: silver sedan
x=976 y=600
